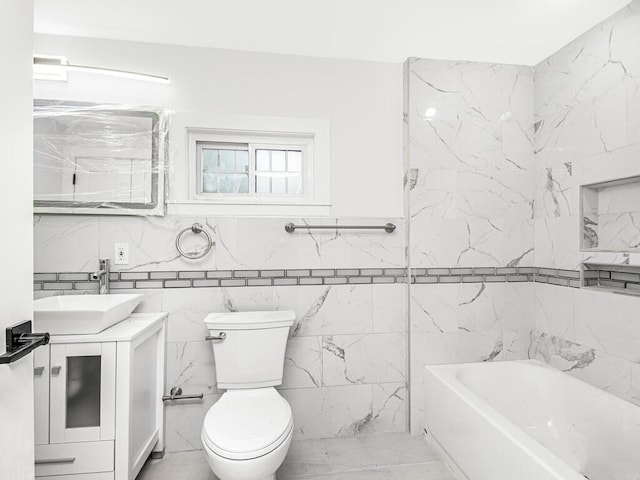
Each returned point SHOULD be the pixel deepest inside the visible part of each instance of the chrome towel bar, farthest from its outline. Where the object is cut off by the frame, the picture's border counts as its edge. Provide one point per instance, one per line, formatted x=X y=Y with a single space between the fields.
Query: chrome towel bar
x=389 y=227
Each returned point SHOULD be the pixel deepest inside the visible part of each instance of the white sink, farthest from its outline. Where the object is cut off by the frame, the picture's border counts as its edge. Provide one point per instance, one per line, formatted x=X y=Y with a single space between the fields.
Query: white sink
x=81 y=314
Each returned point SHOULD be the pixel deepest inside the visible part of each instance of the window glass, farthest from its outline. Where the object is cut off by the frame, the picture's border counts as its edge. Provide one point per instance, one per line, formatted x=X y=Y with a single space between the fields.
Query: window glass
x=242 y=161
x=294 y=185
x=278 y=185
x=263 y=184
x=227 y=160
x=294 y=161
x=262 y=160
x=209 y=183
x=278 y=161
x=210 y=160
x=274 y=171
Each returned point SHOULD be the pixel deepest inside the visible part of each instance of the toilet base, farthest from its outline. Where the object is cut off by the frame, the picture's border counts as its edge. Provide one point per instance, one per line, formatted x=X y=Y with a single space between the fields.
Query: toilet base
x=251 y=469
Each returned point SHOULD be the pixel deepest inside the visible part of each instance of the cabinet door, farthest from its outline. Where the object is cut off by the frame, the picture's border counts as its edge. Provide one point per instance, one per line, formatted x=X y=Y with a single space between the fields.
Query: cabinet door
x=82 y=392
x=41 y=394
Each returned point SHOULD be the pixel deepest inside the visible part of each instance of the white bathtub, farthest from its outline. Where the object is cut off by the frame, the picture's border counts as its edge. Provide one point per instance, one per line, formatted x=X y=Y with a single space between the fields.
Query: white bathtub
x=523 y=420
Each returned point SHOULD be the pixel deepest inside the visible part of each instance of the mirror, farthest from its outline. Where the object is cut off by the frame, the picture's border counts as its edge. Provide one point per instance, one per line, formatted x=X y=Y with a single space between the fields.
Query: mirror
x=98 y=159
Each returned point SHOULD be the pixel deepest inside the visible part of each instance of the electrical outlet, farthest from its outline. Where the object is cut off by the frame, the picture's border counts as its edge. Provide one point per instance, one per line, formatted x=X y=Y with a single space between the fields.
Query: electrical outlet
x=121 y=256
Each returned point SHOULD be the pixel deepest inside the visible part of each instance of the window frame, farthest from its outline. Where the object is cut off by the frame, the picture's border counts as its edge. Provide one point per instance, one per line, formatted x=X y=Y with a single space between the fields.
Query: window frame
x=188 y=127
x=251 y=149
x=255 y=141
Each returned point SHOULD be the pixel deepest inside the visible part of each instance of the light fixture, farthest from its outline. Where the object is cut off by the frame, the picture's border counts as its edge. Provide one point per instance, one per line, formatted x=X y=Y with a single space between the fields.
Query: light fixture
x=50 y=67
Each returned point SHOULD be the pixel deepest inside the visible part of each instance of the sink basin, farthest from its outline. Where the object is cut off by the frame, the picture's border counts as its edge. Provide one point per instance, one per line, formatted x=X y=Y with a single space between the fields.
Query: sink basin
x=81 y=314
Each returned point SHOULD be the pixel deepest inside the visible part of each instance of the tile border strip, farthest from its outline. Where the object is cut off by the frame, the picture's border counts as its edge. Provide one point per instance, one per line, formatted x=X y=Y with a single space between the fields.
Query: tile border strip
x=302 y=277
x=619 y=278
x=555 y=276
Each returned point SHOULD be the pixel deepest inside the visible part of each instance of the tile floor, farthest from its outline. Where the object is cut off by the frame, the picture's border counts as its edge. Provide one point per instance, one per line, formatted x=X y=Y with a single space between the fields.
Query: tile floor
x=396 y=456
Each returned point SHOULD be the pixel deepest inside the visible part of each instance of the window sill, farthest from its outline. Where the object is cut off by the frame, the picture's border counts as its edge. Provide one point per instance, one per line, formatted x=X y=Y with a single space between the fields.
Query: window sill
x=199 y=208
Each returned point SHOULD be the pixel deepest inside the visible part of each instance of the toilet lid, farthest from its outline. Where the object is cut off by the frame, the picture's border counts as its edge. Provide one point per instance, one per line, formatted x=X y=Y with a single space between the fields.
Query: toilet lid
x=247 y=424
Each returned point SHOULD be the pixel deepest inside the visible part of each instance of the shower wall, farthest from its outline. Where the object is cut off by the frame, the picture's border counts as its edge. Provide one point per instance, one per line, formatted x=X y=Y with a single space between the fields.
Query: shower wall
x=469 y=211
x=587 y=107
x=494 y=159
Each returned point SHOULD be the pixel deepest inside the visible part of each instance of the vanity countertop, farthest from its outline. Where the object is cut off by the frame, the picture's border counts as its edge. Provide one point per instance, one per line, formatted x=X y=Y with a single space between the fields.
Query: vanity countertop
x=132 y=327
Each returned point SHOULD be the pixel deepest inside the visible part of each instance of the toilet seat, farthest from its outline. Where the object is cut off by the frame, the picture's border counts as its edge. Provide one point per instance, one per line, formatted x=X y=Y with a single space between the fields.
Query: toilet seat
x=246 y=424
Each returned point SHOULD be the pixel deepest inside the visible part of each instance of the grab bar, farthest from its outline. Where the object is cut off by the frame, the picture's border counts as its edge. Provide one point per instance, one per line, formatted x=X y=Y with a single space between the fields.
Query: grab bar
x=389 y=227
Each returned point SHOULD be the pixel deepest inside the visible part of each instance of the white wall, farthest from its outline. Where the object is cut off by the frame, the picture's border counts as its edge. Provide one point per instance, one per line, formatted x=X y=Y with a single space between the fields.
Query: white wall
x=16 y=380
x=362 y=100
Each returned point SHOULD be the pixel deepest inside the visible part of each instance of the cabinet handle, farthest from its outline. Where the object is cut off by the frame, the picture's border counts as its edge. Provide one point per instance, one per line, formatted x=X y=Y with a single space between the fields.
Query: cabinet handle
x=42 y=461
x=38 y=371
x=56 y=370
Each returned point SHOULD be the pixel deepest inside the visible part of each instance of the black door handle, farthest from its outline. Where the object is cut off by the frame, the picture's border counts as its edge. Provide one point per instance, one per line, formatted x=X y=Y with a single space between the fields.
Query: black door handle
x=21 y=341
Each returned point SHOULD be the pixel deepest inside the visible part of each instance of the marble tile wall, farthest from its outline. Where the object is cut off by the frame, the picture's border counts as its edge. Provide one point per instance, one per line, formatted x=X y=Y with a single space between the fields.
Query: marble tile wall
x=495 y=157
x=469 y=188
x=587 y=120
x=239 y=243
x=345 y=367
x=592 y=335
x=587 y=99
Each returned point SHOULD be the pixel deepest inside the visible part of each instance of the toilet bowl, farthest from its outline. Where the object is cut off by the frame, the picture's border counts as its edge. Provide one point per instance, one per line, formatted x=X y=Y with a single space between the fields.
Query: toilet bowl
x=246 y=434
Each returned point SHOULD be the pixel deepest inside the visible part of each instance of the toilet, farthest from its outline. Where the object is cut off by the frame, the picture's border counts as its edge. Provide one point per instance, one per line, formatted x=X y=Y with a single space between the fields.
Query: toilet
x=246 y=434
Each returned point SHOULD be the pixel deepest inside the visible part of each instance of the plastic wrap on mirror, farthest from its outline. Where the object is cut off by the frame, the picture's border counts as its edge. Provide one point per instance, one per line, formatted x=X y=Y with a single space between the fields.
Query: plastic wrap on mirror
x=99 y=159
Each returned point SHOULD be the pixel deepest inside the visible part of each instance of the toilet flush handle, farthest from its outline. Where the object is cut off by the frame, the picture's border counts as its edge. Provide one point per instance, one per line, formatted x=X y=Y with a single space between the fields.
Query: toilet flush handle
x=221 y=336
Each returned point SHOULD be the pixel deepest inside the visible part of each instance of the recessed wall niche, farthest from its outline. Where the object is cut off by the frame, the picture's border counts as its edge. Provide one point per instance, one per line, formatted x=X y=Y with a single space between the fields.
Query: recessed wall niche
x=610 y=216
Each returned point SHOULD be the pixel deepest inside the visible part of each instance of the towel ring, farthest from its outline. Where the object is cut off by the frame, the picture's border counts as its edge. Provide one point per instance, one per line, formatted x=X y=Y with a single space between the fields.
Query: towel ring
x=197 y=229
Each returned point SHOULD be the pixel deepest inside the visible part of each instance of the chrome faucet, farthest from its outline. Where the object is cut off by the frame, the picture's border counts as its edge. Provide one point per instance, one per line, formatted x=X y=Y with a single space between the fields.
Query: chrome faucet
x=102 y=276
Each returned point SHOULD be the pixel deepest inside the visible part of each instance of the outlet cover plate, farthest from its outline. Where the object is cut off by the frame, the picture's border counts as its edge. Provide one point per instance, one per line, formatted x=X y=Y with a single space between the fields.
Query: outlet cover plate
x=121 y=254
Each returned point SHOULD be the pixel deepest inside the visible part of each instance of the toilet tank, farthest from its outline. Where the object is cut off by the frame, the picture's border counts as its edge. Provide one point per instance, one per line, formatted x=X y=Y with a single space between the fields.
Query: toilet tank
x=251 y=355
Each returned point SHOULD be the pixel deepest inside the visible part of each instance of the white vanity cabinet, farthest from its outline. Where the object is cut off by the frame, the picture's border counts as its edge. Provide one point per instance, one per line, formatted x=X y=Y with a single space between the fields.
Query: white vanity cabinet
x=98 y=401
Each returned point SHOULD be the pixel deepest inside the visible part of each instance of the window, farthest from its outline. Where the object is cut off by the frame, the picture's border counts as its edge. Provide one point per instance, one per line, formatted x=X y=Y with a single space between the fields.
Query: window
x=244 y=165
x=249 y=169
